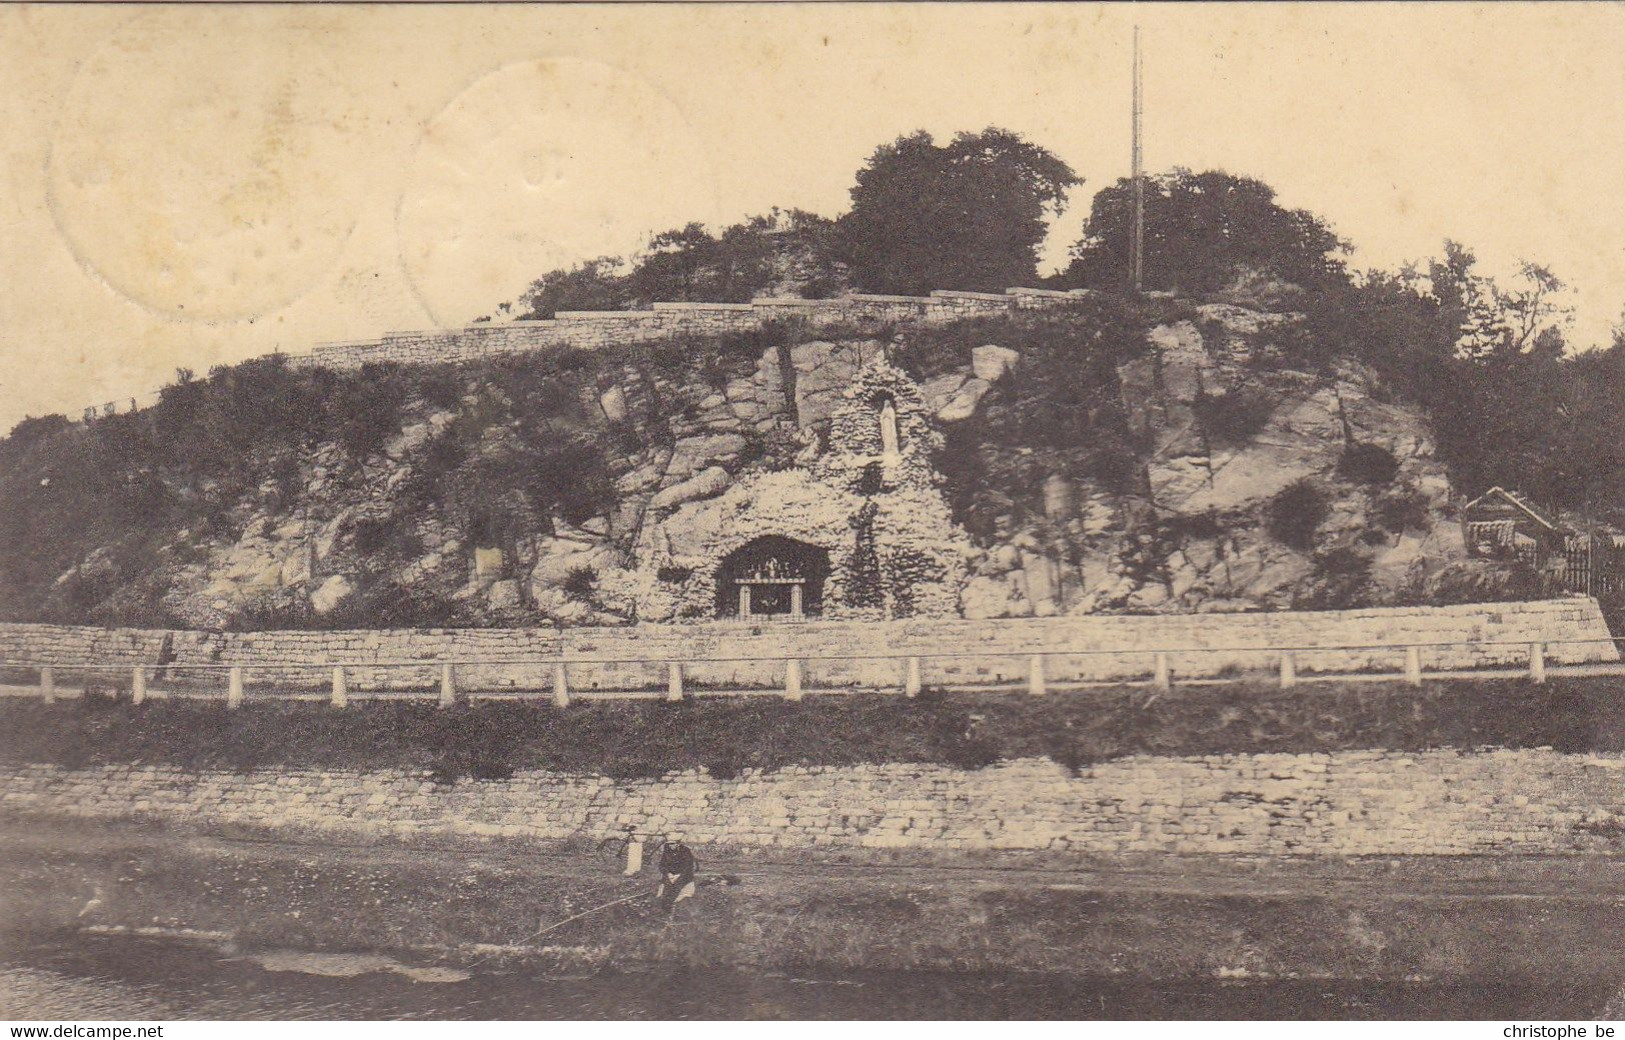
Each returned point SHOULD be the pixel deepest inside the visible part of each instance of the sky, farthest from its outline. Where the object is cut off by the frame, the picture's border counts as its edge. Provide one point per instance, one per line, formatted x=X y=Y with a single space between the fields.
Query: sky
x=191 y=186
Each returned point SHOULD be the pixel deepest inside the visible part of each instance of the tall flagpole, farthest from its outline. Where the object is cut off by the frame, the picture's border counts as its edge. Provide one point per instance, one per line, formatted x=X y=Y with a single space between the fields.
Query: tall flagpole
x=1137 y=245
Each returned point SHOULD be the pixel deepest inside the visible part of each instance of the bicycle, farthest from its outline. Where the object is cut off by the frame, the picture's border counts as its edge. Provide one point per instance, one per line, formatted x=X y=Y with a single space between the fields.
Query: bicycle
x=612 y=851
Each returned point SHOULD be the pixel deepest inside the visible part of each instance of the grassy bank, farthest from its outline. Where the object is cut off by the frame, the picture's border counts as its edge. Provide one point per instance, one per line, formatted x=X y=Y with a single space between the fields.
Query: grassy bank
x=1148 y=920
x=638 y=739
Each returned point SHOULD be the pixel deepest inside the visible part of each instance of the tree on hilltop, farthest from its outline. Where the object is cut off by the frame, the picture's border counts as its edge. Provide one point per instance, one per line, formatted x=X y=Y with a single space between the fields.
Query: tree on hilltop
x=966 y=215
x=1494 y=321
x=592 y=285
x=1202 y=231
x=779 y=251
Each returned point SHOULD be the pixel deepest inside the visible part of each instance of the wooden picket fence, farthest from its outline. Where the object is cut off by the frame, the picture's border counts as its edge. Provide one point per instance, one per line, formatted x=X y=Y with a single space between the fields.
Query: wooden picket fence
x=1595 y=567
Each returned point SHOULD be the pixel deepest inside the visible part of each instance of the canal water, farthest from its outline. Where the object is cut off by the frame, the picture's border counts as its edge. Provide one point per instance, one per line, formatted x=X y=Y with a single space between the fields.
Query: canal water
x=99 y=977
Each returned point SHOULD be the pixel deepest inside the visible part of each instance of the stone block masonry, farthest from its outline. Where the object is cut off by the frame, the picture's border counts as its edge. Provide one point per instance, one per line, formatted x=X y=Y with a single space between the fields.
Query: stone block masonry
x=856 y=654
x=596 y=329
x=1344 y=804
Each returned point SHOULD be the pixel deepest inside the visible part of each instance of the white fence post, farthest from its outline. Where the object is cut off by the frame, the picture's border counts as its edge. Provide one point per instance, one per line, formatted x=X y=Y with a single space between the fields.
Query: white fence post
x=674 y=681
x=138 y=684
x=1537 y=662
x=792 y=680
x=341 y=687
x=1413 y=665
x=47 y=684
x=234 y=687
x=561 y=686
x=1160 y=676
x=1035 y=675
x=911 y=678
x=1289 y=670
x=448 y=684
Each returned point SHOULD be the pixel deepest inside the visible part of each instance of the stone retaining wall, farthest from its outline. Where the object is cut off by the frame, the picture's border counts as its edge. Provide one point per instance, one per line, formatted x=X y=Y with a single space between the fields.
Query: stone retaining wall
x=594 y=329
x=848 y=653
x=1349 y=803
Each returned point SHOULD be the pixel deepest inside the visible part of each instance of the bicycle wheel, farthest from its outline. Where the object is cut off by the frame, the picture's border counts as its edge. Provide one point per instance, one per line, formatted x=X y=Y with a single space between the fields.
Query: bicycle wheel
x=611 y=852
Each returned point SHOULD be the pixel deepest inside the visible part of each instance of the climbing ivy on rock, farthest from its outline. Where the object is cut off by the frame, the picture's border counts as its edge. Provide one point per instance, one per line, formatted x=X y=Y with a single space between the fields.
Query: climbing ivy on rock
x=907 y=571
x=864 y=587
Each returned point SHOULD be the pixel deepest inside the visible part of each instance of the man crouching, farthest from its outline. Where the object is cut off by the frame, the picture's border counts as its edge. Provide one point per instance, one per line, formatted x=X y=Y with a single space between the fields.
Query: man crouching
x=677 y=866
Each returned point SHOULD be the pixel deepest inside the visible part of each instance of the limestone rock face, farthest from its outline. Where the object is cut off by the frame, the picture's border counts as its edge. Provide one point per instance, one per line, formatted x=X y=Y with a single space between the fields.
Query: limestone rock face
x=560 y=556
x=1204 y=543
x=1238 y=480
x=708 y=483
x=644 y=477
x=693 y=454
x=991 y=362
x=1184 y=360
x=329 y=593
x=613 y=403
x=408 y=440
x=823 y=372
x=993 y=597
x=760 y=399
x=963 y=403
x=1184 y=531
x=295 y=570
x=1039 y=570
x=937 y=391
x=504 y=595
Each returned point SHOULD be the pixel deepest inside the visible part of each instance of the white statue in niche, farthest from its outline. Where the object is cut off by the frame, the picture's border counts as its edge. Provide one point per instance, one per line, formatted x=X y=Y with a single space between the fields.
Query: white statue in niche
x=888 y=430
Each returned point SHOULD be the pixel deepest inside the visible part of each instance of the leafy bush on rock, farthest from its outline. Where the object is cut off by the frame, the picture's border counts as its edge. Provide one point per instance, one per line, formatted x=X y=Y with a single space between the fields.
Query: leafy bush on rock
x=1295 y=513
x=1368 y=464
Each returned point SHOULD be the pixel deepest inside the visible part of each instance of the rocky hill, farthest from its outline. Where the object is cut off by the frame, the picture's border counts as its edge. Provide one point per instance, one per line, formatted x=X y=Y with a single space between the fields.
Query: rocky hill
x=1164 y=456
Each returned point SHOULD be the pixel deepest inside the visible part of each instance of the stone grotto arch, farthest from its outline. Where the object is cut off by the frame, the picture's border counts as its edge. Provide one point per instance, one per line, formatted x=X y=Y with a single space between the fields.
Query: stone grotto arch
x=770 y=576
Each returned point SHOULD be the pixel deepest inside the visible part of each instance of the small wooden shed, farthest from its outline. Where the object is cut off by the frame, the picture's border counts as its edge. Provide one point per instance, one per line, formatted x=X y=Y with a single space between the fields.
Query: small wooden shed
x=1502 y=525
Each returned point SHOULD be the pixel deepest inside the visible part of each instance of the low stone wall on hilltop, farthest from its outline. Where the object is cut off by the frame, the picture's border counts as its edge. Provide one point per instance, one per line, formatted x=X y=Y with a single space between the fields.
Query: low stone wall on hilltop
x=596 y=329
x=1347 y=803
x=848 y=654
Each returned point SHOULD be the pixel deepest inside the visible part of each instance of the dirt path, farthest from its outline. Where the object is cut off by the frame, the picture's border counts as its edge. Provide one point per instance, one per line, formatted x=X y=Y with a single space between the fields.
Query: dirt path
x=1568 y=878
x=1516 y=919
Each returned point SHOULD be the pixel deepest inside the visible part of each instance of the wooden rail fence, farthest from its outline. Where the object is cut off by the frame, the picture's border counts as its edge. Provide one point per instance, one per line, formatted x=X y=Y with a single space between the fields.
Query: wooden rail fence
x=47 y=678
